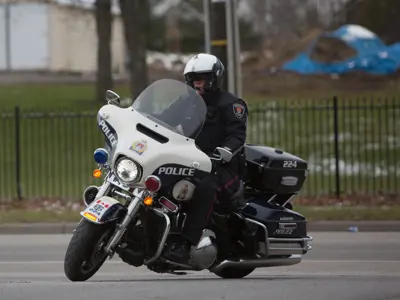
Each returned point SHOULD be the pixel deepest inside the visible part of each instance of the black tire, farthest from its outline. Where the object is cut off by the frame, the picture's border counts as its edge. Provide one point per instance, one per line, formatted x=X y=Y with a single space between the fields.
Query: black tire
x=234 y=273
x=81 y=260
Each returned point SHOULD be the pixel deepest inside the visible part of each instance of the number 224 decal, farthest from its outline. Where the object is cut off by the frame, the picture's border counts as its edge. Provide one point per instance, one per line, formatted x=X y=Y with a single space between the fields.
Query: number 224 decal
x=289 y=164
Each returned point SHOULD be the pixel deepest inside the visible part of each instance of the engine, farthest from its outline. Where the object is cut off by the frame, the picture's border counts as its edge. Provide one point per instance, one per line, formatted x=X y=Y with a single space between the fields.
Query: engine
x=205 y=254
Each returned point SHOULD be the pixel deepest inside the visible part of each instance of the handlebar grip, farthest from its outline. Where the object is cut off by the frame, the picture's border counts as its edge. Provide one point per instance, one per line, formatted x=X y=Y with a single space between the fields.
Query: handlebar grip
x=216 y=161
x=214 y=156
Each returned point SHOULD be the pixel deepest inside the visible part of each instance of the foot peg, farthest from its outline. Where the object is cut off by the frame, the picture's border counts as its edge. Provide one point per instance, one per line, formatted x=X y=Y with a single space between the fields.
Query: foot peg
x=176 y=264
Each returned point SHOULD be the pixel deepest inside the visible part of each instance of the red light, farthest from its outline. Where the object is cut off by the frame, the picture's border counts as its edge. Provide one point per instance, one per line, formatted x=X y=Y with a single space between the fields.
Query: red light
x=153 y=183
x=168 y=204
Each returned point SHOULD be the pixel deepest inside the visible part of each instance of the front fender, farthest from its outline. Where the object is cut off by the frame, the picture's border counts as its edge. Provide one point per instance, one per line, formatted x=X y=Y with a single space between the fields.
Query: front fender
x=103 y=210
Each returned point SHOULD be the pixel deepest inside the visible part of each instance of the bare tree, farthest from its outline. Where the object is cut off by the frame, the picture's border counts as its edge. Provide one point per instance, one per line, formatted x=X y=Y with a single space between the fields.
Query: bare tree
x=103 y=28
x=172 y=29
x=135 y=16
x=260 y=10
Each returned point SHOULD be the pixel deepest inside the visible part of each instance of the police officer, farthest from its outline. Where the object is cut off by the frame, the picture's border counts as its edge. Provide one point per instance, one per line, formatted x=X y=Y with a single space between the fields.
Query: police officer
x=225 y=126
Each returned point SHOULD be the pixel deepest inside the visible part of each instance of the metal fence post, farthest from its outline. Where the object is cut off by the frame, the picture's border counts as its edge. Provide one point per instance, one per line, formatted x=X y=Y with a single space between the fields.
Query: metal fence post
x=18 y=152
x=336 y=139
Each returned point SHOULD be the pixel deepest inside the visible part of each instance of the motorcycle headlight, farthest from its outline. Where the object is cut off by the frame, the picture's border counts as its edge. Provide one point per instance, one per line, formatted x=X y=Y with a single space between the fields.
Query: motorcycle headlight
x=127 y=171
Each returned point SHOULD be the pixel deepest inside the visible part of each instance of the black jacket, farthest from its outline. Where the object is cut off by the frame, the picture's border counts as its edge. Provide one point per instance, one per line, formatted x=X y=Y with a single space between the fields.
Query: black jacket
x=225 y=125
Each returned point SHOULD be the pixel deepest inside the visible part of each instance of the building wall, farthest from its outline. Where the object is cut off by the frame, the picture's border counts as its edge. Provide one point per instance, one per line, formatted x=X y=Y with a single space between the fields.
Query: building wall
x=3 y=45
x=27 y=46
x=73 y=40
x=48 y=36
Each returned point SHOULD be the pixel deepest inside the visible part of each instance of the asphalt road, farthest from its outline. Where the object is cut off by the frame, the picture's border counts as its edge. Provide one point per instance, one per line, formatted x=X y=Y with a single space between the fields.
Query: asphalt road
x=342 y=265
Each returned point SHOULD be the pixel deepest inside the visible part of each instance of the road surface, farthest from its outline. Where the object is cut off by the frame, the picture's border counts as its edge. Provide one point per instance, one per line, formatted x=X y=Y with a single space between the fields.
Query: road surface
x=342 y=265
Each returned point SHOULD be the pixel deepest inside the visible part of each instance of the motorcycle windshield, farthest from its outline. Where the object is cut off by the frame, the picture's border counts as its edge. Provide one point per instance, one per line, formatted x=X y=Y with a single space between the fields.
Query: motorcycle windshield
x=173 y=105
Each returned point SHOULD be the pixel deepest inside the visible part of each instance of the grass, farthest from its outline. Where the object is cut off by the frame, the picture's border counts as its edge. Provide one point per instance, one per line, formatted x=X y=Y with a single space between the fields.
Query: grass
x=52 y=96
x=311 y=213
x=56 y=151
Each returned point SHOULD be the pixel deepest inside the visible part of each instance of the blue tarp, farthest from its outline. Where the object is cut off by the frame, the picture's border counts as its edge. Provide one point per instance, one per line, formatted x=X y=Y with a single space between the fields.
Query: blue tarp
x=373 y=56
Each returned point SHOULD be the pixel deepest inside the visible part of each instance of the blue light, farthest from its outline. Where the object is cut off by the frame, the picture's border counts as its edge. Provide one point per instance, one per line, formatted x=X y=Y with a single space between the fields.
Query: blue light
x=100 y=156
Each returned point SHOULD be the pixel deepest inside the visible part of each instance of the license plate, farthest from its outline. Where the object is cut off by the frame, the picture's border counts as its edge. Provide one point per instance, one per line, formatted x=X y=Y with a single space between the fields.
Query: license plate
x=114 y=180
x=98 y=208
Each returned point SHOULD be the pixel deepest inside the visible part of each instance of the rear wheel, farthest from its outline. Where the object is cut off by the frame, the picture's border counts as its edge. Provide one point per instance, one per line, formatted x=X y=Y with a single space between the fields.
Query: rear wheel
x=232 y=273
x=85 y=254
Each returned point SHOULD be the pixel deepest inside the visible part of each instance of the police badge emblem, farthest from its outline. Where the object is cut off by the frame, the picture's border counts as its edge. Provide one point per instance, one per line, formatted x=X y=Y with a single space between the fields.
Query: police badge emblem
x=238 y=110
x=139 y=147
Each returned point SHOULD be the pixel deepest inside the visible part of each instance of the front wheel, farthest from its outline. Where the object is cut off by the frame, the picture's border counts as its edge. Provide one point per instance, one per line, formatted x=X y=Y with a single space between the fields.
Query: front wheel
x=234 y=273
x=85 y=254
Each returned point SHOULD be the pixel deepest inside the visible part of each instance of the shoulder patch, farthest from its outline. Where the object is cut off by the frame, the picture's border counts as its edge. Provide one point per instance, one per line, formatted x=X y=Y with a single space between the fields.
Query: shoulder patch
x=238 y=110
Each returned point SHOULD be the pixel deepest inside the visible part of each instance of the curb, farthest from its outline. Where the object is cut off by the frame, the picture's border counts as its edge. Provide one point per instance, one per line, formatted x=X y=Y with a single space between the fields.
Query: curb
x=365 y=226
x=327 y=226
x=37 y=228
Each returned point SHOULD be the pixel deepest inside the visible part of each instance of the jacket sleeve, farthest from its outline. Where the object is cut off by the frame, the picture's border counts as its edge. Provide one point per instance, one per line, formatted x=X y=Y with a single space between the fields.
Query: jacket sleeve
x=236 y=114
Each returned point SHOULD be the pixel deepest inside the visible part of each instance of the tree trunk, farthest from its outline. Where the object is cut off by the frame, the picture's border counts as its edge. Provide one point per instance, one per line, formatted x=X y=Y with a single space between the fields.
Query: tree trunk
x=135 y=16
x=260 y=10
x=103 y=29
x=172 y=30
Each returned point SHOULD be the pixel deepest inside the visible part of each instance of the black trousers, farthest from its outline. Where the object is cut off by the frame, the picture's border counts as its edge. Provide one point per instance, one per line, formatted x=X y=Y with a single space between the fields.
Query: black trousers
x=223 y=185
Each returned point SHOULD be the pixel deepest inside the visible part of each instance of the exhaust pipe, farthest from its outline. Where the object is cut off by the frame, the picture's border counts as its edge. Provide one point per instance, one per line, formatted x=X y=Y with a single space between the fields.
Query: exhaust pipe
x=258 y=263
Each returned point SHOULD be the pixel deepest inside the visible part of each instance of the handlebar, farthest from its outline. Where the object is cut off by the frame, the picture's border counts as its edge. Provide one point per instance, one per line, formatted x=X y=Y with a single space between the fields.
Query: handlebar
x=215 y=157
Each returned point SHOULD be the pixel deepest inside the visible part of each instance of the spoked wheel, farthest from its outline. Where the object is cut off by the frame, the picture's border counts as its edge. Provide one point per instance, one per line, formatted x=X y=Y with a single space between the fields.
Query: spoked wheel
x=98 y=256
x=85 y=253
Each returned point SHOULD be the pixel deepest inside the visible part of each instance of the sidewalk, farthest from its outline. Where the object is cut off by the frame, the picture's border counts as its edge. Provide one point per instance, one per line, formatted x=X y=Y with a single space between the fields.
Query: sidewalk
x=67 y=228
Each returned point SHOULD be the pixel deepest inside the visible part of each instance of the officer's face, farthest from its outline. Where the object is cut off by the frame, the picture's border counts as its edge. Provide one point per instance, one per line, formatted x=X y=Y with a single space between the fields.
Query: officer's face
x=199 y=86
x=199 y=80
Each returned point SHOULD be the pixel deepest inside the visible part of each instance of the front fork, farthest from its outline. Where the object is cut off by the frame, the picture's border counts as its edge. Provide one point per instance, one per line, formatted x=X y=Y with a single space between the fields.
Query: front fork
x=133 y=208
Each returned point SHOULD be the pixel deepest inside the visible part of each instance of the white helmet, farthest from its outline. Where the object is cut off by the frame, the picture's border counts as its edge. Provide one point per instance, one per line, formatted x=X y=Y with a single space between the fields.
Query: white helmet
x=208 y=65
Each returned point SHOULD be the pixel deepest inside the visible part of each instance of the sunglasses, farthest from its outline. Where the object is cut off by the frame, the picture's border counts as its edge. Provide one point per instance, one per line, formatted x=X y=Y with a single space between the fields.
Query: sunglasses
x=198 y=77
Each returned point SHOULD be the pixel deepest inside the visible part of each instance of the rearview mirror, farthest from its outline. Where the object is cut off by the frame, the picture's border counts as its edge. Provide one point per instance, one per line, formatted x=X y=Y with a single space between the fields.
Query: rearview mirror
x=112 y=98
x=226 y=155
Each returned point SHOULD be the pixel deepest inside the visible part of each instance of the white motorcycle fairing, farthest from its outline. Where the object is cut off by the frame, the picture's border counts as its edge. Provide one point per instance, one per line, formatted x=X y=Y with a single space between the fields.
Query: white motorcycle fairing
x=145 y=150
x=158 y=134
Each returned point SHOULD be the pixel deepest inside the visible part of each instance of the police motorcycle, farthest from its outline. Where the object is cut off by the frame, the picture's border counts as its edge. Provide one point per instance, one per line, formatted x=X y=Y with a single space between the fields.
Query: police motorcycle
x=150 y=169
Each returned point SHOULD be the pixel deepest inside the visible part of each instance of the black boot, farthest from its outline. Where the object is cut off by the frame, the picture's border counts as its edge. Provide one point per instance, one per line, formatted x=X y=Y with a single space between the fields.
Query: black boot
x=178 y=251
